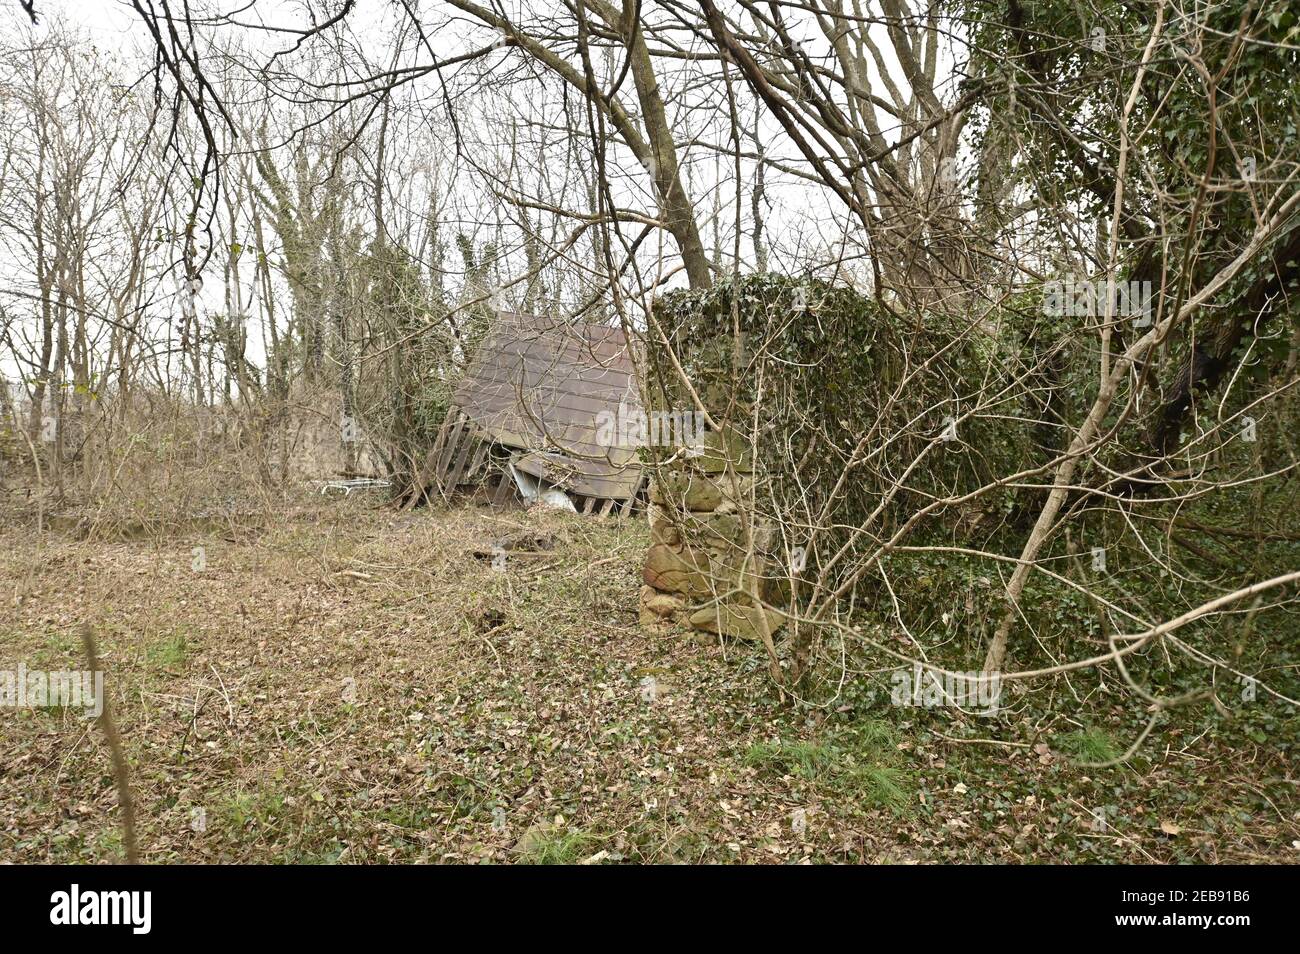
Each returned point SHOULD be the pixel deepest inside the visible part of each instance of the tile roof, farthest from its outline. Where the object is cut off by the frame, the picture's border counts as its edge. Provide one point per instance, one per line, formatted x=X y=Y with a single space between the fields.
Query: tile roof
x=539 y=385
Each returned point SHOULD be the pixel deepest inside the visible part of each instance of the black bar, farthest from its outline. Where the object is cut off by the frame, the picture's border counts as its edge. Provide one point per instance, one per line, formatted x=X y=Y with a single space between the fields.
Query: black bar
x=215 y=904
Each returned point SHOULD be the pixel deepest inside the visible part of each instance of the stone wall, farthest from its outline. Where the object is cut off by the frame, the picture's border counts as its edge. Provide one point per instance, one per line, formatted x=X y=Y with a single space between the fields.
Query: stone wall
x=707 y=561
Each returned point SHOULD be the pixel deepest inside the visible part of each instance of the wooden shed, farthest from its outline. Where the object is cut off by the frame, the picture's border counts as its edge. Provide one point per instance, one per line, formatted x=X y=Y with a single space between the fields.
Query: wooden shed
x=532 y=416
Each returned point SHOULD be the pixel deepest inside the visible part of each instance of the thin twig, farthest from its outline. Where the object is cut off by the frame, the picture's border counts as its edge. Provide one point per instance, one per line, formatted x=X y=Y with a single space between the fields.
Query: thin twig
x=120 y=769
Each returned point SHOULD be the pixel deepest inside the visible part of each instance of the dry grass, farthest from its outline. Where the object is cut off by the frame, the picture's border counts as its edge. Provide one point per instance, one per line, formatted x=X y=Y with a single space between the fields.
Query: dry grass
x=354 y=685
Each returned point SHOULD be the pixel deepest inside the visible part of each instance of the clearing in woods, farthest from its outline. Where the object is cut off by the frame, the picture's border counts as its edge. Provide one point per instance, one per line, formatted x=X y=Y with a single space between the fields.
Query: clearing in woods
x=349 y=684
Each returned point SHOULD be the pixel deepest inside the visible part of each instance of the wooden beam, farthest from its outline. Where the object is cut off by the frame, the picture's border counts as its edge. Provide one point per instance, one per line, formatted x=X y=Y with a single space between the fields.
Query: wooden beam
x=469 y=446
x=447 y=455
x=630 y=503
x=428 y=469
x=506 y=489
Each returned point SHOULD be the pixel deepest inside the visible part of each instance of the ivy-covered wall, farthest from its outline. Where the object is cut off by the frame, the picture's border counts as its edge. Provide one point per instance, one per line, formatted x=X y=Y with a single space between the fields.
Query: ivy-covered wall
x=852 y=414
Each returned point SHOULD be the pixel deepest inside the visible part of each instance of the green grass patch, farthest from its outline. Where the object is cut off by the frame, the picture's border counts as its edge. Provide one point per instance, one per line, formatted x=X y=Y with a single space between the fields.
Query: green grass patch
x=807 y=760
x=1088 y=745
x=860 y=761
x=566 y=847
x=168 y=652
x=879 y=786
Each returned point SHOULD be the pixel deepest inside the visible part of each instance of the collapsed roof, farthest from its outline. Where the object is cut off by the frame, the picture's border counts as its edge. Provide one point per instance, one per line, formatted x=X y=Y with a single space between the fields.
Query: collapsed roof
x=551 y=392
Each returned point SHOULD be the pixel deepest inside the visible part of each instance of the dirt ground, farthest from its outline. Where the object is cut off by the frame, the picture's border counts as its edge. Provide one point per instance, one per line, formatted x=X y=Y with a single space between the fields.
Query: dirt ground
x=354 y=685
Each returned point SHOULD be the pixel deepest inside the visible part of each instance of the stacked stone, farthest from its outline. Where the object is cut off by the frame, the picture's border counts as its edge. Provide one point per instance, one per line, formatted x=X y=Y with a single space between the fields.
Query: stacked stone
x=696 y=572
